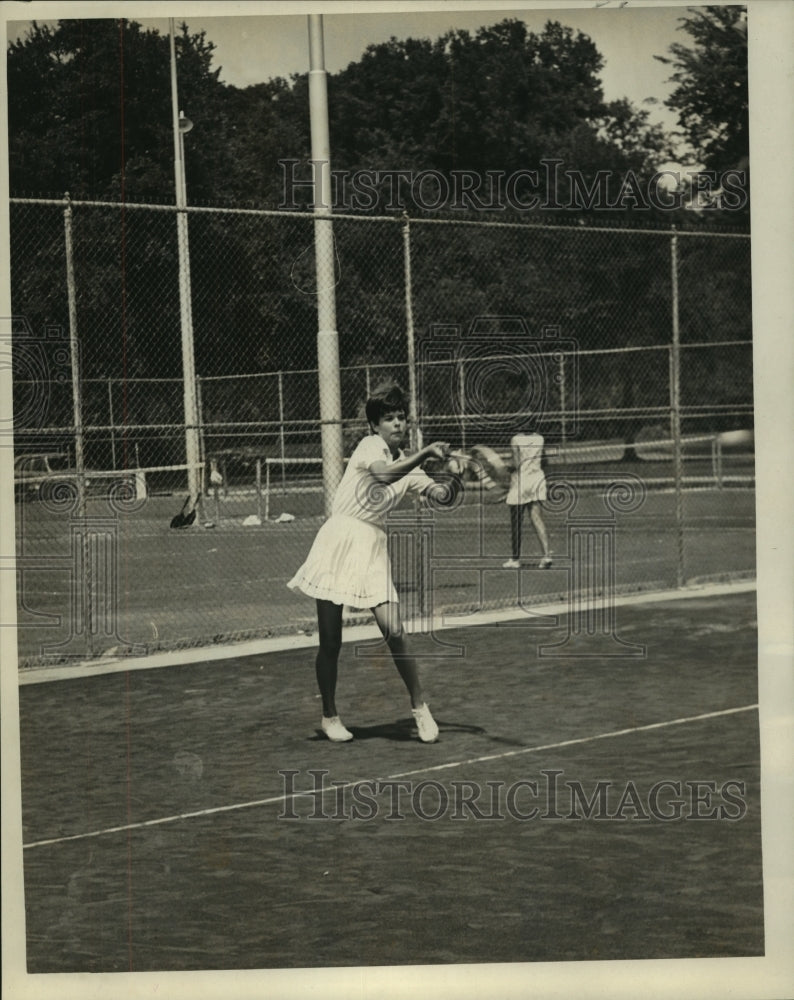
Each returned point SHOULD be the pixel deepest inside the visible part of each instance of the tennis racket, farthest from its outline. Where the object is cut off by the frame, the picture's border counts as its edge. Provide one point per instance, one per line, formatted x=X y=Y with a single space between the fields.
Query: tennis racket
x=186 y=516
x=490 y=469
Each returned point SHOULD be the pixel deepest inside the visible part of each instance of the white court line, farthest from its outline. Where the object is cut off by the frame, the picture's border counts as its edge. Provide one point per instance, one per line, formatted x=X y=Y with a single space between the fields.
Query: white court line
x=402 y=774
x=353 y=633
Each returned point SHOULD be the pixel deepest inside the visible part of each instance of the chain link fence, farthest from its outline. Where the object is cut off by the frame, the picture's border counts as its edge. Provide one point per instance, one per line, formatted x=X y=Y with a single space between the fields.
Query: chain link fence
x=166 y=364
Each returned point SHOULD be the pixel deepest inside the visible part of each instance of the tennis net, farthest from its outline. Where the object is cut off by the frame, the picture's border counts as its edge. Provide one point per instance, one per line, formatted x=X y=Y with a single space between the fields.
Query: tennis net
x=273 y=486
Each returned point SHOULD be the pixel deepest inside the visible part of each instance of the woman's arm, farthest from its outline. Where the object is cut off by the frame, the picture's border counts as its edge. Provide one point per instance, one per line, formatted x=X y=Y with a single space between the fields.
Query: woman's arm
x=386 y=472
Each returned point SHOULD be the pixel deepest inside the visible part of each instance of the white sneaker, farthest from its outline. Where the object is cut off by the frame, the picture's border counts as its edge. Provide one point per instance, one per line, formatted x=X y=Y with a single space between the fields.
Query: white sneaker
x=545 y=562
x=426 y=724
x=511 y=564
x=335 y=731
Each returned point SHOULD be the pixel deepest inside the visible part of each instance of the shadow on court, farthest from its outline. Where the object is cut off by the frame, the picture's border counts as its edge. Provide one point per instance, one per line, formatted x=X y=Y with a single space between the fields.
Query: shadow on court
x=400 y=731
x=574 y=807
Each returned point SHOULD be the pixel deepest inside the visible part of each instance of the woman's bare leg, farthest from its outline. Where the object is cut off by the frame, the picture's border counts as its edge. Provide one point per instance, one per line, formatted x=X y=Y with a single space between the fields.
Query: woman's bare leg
x=388 y=618
x=329 y=624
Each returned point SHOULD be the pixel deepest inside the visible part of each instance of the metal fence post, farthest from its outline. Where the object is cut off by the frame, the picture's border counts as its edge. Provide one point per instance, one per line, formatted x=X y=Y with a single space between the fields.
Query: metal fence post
x=281 y=441
x=112 y=424
x=563 y=405
x=202 y=444
x=462 y=401
x=675 y=408
x=413 y=429
x=77 y=419
x=414 y=433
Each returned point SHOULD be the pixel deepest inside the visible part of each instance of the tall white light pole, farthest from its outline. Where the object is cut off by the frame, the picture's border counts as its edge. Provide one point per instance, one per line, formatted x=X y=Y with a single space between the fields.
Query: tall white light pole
x=181 y=126
x=324 y=253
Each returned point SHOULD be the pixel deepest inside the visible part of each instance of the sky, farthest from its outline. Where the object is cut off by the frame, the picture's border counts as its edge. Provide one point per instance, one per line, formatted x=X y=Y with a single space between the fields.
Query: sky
x=250 y=50
x=254 y=48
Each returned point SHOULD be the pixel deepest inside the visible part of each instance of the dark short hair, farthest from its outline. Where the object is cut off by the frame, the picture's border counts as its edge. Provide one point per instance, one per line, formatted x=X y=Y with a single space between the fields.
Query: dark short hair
x=385 y=399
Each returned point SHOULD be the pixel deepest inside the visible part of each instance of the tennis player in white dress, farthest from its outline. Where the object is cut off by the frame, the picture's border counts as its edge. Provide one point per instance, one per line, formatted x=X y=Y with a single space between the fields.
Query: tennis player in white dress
x=348 y=563
x=527 y=492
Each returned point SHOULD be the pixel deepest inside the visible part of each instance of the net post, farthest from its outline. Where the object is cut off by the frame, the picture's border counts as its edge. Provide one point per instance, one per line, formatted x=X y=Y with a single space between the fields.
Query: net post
x=259 y=487
x=140 y=477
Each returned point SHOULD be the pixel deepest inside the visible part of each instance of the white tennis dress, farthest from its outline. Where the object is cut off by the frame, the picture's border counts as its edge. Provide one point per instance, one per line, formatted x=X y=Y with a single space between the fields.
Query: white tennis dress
x=528 y=481
x=348 y=562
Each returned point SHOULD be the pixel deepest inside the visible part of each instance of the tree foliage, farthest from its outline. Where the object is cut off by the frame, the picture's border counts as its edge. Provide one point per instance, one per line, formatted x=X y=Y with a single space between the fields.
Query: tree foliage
x=504 y=98
x=90 y=113
x=90 y=109
x=711 y=96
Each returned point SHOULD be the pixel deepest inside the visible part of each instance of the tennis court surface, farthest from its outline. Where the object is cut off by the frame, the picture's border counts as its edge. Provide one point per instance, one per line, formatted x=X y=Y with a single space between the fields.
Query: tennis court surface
x=575 y=807
x=156 y=589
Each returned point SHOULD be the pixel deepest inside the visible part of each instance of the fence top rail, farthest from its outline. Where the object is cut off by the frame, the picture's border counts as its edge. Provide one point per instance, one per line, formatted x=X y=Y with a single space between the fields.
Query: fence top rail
x=295 y=425
x=286 y=372
x=552 y=353
x=578 y=227
x=402 y=219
